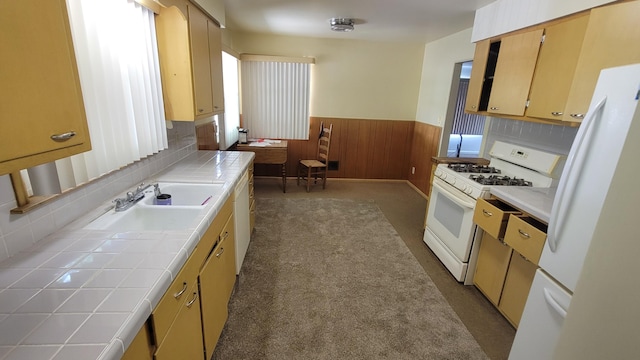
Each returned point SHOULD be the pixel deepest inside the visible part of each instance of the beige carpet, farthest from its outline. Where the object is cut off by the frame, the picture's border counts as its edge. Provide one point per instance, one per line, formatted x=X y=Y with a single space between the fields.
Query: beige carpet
x=331 y=279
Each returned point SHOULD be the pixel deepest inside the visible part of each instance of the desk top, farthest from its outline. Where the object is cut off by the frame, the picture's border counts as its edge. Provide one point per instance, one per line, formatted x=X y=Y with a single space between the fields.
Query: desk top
x=263 y=144
x=266 y=152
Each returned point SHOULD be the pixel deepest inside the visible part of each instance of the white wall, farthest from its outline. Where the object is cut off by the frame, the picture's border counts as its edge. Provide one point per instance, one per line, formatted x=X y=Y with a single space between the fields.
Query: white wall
x=503 y=16
x=437 y=72
x=351 y=78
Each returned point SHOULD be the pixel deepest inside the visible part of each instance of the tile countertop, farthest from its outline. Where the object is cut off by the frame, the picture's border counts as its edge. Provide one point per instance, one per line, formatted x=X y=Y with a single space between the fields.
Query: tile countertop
x=84 y=294
x=535 y=201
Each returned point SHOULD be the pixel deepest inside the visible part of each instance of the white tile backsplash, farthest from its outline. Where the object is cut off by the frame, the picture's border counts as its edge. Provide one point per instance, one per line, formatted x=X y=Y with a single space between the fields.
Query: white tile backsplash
x=20 y=231
x=545 y=137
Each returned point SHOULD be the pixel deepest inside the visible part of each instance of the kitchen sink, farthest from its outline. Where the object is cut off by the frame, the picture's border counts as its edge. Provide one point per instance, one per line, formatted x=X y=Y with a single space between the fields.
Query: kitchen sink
x=185 y=194
x=147 y=218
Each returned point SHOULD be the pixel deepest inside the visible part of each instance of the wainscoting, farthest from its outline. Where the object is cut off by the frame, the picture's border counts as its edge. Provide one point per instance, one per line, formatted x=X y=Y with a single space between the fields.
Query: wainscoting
x=425 y=145
x=369 y=149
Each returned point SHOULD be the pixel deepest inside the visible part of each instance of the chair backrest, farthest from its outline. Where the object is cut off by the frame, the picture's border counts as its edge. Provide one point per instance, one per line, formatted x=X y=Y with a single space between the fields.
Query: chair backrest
x=324 y=140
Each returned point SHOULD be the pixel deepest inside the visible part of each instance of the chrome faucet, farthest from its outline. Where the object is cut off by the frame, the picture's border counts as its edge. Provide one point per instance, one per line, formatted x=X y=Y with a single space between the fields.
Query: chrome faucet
x=132 y=198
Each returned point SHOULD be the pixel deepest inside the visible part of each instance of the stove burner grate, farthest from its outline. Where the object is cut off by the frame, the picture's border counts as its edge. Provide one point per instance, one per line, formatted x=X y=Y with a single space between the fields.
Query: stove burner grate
x=474 y=168
x=499 y=180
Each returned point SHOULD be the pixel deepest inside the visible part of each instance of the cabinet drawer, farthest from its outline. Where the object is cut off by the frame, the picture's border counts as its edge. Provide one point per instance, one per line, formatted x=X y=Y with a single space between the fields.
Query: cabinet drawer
x=164 y=314
x=491 y=269
x=527 y=236
x=492 y=215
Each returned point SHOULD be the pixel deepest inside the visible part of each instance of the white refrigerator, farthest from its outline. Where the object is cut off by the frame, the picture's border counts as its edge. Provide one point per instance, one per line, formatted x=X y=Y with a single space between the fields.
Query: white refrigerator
x=605 y=143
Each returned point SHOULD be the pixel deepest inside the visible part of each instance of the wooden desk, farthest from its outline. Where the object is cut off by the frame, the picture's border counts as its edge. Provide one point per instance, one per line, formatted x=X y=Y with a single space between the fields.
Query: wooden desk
x=272 y=153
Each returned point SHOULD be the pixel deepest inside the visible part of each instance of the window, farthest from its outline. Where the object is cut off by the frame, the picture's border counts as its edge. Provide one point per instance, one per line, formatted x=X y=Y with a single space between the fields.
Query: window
x=120 y=78
x=275 y=96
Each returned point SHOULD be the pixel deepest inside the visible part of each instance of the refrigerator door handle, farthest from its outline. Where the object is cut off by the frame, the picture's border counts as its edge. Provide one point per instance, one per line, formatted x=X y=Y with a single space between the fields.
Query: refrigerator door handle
x=567 y=186
x=548 y=297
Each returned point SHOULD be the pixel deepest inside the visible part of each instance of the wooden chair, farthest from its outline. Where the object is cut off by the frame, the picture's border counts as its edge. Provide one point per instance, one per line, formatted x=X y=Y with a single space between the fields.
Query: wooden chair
x=317 y=167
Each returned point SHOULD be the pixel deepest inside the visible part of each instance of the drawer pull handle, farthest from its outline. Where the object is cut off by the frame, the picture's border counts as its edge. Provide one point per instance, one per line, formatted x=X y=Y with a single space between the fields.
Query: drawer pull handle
x=495 y=108
x=179 y=293
x=487 y=213
x=195 y=297
x=577 y=116
x=524 y=234
x=220 y=253
x=63 y=137
x=556 y=113
x=224 y=236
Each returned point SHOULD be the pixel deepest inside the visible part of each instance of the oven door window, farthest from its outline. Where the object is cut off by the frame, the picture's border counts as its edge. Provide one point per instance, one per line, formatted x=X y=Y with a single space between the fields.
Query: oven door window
x=450 y=218
x=449 y=214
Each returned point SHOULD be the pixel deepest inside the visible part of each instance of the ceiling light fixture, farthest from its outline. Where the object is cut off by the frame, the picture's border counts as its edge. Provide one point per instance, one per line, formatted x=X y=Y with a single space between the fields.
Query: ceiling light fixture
x=341 y=24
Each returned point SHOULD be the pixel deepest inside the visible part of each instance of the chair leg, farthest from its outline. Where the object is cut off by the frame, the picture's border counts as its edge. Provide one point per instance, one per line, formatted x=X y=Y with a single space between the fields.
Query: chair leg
x=308 y=179
x=299 y=170
x=324 y=179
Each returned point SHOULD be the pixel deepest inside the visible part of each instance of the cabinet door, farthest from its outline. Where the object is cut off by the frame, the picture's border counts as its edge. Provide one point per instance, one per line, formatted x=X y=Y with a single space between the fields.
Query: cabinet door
x=184 y=339
x=40 y=96
x=216 y=283
x=514 y=73
x=516 y=288
x=491 y=268
x=199 y=35
x=215 y=56
x=172 y=28
x=141 y=348
x=611 y=39
x=476 y=81
x=555 y=68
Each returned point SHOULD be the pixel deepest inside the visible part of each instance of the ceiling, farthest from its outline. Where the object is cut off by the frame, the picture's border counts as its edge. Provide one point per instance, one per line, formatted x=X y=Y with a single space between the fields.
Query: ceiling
x=376 y=20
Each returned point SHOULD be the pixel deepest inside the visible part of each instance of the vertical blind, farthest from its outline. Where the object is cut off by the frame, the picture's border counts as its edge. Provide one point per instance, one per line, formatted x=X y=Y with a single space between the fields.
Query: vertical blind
x=275 y=97
x=117 y=56
x=463 y=123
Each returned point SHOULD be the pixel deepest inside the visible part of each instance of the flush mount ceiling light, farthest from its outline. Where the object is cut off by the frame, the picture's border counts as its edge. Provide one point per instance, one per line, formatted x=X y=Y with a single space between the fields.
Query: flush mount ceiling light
x=341 y=24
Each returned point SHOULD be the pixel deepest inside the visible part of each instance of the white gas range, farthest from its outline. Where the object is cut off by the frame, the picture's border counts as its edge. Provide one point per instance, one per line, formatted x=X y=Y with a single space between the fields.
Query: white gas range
x=450 y=231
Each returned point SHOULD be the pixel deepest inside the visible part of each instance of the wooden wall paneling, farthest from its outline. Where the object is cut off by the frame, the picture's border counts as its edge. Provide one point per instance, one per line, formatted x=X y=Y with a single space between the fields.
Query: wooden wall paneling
x=425 y=144
x=398 y=156
x=379 y=150
x=365 y=147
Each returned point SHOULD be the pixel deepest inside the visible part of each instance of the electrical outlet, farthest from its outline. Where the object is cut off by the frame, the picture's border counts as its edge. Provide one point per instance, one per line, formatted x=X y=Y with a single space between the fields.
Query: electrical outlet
x=413 y=170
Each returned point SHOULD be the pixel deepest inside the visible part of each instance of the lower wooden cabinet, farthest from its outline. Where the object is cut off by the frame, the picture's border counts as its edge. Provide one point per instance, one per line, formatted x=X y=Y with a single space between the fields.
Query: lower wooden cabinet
x=217 y=279
x=516 y=288
x=189 y=319
x=141 y=348
x=507 y=261
x=184 y=338
x=492 y=266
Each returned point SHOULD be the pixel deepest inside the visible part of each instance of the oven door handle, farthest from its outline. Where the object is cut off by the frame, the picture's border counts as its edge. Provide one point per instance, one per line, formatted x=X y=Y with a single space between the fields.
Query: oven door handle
x=451 y=194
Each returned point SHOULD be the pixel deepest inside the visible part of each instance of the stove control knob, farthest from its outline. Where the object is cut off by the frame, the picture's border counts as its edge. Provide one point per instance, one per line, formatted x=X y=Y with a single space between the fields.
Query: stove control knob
x=438 y=173
x=453 y=181
x=468 y=190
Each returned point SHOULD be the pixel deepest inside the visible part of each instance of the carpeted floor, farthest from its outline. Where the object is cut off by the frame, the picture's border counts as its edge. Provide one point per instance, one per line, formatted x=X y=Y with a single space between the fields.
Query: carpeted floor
x=328 y=278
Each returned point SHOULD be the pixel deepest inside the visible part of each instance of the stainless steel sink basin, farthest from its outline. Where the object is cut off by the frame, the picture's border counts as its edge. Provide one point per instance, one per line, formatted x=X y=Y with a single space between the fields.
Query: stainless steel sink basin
x=141 y=218
x=185 y=194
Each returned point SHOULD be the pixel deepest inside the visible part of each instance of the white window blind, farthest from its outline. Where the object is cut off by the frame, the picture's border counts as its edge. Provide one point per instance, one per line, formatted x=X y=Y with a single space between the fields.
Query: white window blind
x=275 y=97
x=115 y=44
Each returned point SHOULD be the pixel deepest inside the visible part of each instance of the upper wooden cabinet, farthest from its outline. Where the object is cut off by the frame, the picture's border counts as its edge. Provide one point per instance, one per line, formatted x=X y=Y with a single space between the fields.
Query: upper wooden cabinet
x=502 y=73
x=555 y=80
x=555 y=69
x=42 y=112
x=190 y=51
x=477 y=80
x=612 y=39
x=514 y=73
